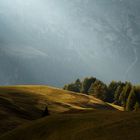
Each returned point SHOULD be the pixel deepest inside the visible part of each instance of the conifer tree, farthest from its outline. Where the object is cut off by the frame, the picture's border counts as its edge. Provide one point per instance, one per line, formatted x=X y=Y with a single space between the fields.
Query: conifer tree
x=131 y=101
x=87 y=84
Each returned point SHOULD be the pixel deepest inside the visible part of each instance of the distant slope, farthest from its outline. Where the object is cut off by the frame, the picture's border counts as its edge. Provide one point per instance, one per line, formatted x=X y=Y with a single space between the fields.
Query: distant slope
x=21 y=104
x=98 y=125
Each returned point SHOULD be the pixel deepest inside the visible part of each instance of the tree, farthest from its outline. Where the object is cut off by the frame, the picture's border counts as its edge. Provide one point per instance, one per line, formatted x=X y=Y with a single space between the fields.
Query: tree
x=131 y=102
x=137 y=93
x=99 y=90
x=117 y=94
x=73 y=87
x=65 y=87
x=86 y=84
x=112 y=89
x=78 y=84
x=125 y=93
x=137 y=106
x=46 y=112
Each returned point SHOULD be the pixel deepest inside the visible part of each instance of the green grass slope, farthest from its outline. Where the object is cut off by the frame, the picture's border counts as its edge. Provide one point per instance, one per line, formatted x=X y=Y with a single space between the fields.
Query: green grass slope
x=21 y=104
x=95 y=125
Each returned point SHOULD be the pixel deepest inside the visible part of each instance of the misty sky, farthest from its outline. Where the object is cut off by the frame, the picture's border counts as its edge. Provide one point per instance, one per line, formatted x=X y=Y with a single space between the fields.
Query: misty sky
x=56 y=41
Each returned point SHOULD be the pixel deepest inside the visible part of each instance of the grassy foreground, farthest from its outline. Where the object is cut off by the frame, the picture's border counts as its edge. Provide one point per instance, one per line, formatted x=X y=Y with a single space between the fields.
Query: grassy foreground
x=95 y=125
x=22 y=104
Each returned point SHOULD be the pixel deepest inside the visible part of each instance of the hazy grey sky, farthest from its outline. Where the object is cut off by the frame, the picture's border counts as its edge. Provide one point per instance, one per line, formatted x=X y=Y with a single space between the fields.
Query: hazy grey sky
x=54 y=42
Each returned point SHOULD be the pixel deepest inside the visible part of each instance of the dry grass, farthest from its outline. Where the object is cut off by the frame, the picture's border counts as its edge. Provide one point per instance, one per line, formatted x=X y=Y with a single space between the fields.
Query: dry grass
x=90 y=125
x=116 y=106
x=22 y=104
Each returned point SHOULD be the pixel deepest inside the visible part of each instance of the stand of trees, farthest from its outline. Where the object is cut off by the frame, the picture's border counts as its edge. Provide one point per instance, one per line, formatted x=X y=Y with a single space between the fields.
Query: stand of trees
x=120 y=93
x=75 y=87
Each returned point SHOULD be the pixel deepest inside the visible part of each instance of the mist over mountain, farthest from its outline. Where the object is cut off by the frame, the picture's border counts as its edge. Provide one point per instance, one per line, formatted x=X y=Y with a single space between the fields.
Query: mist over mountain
x=54 y=42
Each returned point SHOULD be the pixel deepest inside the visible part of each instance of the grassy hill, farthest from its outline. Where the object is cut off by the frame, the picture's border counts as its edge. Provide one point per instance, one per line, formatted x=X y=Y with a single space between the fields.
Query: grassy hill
x=22 y=104
x=95 y=125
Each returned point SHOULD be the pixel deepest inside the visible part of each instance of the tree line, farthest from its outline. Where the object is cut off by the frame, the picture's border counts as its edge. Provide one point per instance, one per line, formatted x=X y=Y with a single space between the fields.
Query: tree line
x=120 y=93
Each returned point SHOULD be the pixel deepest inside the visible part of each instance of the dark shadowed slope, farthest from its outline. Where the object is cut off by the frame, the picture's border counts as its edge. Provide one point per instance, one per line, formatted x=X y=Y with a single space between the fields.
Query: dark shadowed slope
x=98 y=125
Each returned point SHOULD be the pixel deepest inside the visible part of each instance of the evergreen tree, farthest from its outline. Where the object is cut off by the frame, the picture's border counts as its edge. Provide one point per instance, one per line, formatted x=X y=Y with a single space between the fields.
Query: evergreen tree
x=137 y=106
x=46 y=112
x=131 y=102
x=65 y=87
x=125 y=93
x=75 y=87
x=87 y=84
x=113 y=86
x=72 y=87
x=78 y=84
x=117 y=94
x=99 y=90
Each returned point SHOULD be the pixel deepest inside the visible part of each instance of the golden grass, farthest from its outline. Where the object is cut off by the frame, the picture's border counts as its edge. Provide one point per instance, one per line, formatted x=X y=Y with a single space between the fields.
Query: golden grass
x=44 y=95
x=116 y=106
x=22 y=104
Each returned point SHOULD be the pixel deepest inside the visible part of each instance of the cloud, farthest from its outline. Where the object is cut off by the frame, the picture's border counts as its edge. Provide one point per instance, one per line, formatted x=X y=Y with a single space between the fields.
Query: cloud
x=25 y=52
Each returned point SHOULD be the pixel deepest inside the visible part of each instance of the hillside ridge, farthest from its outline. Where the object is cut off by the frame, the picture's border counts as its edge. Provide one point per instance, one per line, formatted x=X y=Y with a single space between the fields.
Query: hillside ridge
x=24 y=103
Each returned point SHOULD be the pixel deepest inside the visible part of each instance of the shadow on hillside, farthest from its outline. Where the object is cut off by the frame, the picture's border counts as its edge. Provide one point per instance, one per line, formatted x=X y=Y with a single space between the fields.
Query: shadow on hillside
x=21 y=104
x=18 y=107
